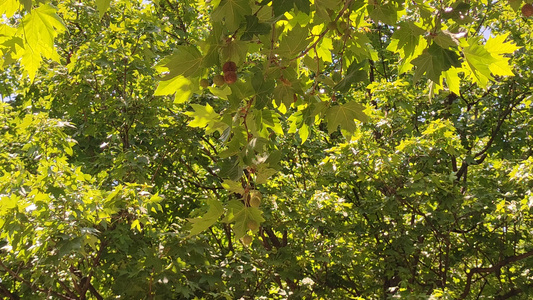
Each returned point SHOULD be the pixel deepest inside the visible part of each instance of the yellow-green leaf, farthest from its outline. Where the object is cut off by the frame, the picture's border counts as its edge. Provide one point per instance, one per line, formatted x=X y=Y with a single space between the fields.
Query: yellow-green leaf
x=103 y=6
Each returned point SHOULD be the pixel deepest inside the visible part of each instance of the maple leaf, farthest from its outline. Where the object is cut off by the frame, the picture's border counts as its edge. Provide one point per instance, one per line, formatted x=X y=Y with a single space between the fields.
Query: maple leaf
x=344 y=115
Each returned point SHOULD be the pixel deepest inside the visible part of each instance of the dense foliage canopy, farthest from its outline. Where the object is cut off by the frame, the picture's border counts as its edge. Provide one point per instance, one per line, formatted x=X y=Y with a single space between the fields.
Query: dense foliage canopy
x=284 y=149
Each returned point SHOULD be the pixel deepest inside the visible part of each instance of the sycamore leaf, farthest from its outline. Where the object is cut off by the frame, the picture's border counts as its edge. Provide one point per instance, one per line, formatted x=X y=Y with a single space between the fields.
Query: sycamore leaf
x=27 y=4
x=355 y=73
x=329 y=4
x=408 y=37
x=452 y=80
x=233 y=186
x=434 y=61
x=263 y=172
x=103 y=6
x=254 y=28
x=179 y=85
x=241 y=215
x=344 y=115
x=234 y=51
x=208 y=219
x=303 y=5
x=202 y=115
x=265 y=119
x=477 y=61
x=9 y=7
x=294 y=42
x=263 y=89
x=284 y=94
x=446 y=39
x=384 y=12
x=498 y=46
x=185 y=61
x=39 y=28
x=282 y=6
x=324 y=49
x=501 y=67
x=233 y=12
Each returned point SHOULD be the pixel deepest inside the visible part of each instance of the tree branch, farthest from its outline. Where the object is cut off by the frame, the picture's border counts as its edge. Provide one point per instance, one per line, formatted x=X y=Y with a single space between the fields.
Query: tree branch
x=32 y=285
x=492 y=269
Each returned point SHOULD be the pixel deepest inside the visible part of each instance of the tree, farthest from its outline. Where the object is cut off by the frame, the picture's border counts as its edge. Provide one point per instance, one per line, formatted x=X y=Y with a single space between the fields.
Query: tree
x=276 y=149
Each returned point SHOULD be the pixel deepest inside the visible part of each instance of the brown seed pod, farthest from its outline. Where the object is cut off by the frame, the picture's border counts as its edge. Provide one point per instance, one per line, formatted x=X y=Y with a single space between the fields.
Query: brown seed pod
x=255 y=198
x=527 y=10
x=252 y=225
x=204 y=83
x=229 y=67
x=230 y=77
x=219 y=80
x=247 y=240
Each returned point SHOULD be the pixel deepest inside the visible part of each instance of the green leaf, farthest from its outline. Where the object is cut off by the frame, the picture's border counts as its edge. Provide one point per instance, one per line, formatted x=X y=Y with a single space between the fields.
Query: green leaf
x=329 y=4
x=103 y=6
x=446 y=40
x=233 y=186
x=205 y=117
x=344 y=115
x=303 y=6
x=408 y=37
x=284 y=94
x=27 y=4
x=254 y=28
x=186 y=61
x=434 y=61
x=233 y=12
x=282 y=6
x=452 y=80
x=263 y=89
x=384 y=12
x=234 y=51
x=208 y=219
x=263 y=172
x=9 y=7
x=478 y=60
x=39 y=29
x=498 y=46
x=179 y=85
x=355 y=73
x=294 y=42
x=241 y=215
